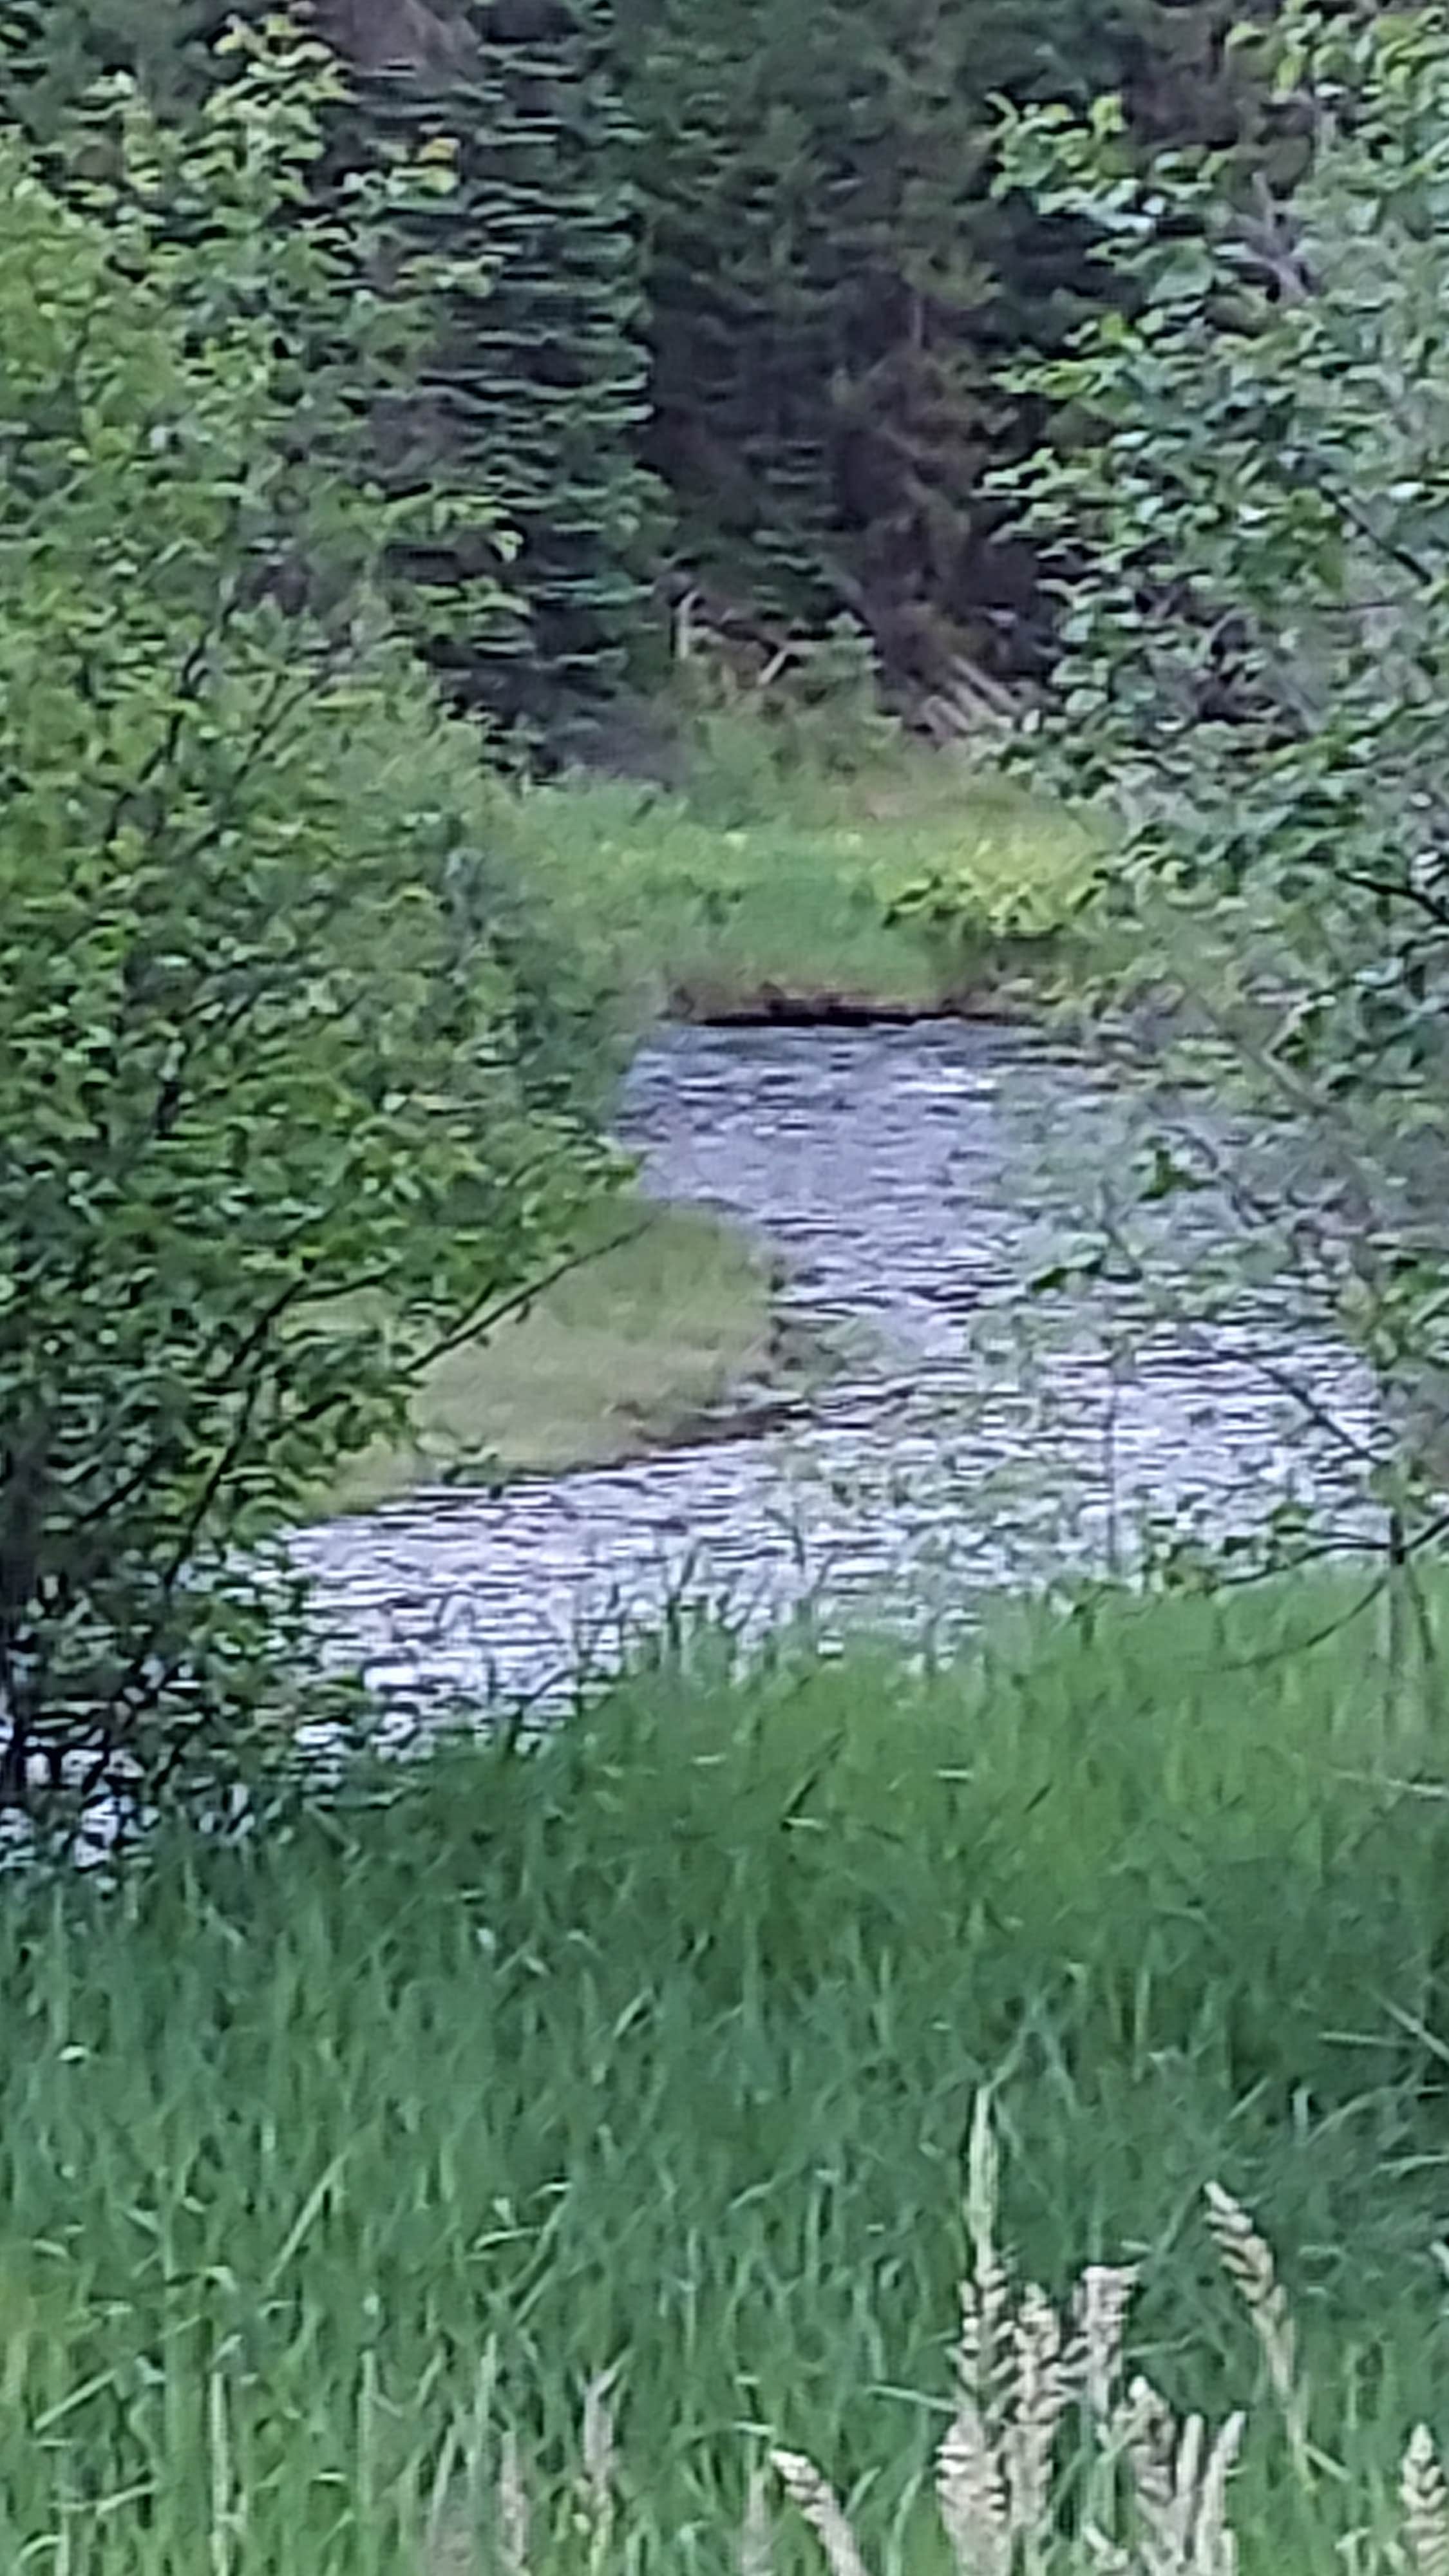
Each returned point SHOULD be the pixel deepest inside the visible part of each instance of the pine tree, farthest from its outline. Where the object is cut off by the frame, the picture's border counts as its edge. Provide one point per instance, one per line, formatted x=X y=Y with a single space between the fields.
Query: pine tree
x=835 y=293
x=52 y=50
x=531 y=387
x=835 y=297
x=819 y=294
x=568 y=372
x=531 y=593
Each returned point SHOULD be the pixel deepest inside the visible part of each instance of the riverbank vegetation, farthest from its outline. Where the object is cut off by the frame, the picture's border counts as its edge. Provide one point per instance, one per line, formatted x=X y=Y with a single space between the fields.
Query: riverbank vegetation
x=897 y=880
x=296 y=1082
x=306 y=1046
x=384 y=2141
x=332 y=2153
x=1252 y=669
x=659 y=1319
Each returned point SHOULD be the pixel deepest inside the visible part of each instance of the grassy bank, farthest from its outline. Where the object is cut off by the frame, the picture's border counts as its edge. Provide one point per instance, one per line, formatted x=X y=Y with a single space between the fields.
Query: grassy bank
x=760 y=886
x=742 y=895
x=321 y=2158
x=665 y=1316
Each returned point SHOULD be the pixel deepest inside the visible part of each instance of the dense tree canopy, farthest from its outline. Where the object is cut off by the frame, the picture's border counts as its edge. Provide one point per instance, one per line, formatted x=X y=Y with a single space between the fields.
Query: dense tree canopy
x=723 y=295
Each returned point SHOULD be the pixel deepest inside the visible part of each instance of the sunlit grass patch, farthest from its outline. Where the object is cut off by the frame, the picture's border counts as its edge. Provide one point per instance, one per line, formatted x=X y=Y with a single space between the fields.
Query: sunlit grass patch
x=667 y=1311
x=812 y=902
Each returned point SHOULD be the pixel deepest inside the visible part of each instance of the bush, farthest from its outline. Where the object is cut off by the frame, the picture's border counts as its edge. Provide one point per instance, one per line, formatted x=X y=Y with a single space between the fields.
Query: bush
x=1250 y=540
x=281 y=1106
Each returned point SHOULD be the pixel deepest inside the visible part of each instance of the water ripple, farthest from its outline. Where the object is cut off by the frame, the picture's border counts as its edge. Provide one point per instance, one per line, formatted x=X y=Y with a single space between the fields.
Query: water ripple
x=904 y=1176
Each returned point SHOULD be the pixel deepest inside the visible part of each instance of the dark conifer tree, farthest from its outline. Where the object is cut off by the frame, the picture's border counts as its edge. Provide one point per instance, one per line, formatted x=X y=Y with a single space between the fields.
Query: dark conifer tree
x=530 y=593
x=835 y=294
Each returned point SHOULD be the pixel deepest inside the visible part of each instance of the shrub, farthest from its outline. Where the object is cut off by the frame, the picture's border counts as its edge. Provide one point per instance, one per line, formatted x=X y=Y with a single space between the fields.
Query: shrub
x=1248 y=533
x=276 y=1113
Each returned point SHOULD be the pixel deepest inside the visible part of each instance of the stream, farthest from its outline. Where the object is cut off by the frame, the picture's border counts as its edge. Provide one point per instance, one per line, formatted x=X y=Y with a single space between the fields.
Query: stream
x=909 y=1180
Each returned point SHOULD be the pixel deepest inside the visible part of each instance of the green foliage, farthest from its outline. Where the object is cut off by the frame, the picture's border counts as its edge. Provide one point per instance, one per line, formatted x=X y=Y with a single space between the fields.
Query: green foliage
x=51 y=51
x=514 y=250
x=660 y=2049
x=759 y=244
x=833 y=286
x=528 y=583
x=1254 y=551
x=260 y=1039
x=812 y=268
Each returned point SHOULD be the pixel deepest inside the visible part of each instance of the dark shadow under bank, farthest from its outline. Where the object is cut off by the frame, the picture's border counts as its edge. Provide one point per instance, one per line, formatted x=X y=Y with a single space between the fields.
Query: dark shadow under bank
x=1012 y=999
x=1013 y=983
x=773 y=1009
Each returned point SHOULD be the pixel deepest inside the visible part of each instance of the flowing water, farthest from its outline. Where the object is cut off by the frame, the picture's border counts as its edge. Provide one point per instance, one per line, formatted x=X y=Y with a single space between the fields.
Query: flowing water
x=908 y=1179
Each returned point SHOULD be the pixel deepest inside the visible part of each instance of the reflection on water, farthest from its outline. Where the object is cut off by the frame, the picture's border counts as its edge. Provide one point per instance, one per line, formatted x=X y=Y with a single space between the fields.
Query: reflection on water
x=906 y=1177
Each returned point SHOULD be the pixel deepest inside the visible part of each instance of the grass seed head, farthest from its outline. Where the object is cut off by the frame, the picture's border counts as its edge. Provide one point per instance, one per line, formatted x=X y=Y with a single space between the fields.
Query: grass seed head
x=822 y=2509
x=1424 y=2496
x=971 y=2495
x=1100 y=2305
x=1247 y=2258
x=1039 y=2397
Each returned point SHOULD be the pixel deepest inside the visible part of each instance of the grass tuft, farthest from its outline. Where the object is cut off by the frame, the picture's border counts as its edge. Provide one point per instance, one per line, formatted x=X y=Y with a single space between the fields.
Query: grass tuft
x=926 y=885
x=636 y=1347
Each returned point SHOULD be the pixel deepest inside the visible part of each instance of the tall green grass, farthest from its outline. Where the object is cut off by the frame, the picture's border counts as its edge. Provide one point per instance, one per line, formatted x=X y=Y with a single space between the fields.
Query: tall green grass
x=750 y=886
x=658 y=2049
